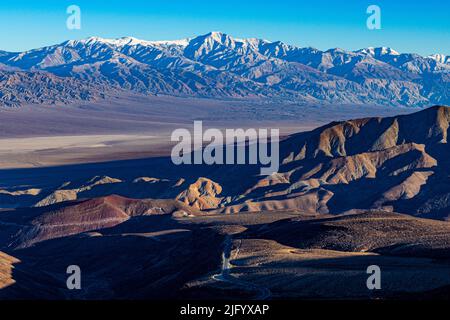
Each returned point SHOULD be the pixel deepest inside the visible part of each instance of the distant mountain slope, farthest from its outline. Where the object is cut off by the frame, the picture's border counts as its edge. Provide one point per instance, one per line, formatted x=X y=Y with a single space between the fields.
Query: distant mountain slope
x=217 y=65
x=37 y=87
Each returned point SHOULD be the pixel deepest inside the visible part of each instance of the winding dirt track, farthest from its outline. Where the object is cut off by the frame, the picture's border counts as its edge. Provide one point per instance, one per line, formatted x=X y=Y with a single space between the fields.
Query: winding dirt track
x=262 y=293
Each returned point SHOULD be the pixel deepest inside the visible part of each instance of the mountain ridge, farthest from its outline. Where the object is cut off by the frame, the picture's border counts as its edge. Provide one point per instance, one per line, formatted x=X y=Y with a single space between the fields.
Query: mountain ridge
x=216 y=65
x=394 y=163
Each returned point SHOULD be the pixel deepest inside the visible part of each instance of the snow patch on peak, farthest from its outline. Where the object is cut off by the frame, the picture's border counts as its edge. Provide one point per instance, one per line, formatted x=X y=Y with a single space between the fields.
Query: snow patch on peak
x=127 y=41
x=181 y=42
x=379 y=51
x=216 y=35
x=441 y=58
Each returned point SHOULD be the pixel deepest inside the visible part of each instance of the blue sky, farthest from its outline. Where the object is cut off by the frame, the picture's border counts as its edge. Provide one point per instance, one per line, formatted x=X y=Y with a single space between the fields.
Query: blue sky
x=407 y=26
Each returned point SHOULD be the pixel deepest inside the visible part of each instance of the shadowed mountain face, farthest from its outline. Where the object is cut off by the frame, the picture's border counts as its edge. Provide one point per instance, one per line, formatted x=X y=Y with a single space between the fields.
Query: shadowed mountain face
x=217 y=65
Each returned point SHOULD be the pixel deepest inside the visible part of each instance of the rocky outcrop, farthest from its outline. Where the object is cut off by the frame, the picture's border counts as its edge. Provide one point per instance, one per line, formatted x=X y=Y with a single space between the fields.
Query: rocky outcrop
x=202 y=194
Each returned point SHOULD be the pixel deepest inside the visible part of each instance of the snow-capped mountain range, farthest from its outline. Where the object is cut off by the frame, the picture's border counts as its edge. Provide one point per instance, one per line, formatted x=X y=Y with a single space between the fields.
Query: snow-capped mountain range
x=217 y=65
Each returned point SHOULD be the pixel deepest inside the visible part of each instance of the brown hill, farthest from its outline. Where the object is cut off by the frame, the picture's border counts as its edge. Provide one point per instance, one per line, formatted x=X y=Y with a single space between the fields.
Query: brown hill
x=352 y=137
x=202 y=194
x=31 y=226
x=398 y=163
x=376 y=231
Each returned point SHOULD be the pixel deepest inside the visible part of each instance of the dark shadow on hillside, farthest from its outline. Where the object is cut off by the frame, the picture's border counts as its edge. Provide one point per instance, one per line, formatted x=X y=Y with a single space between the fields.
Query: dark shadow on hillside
x=146 y=258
